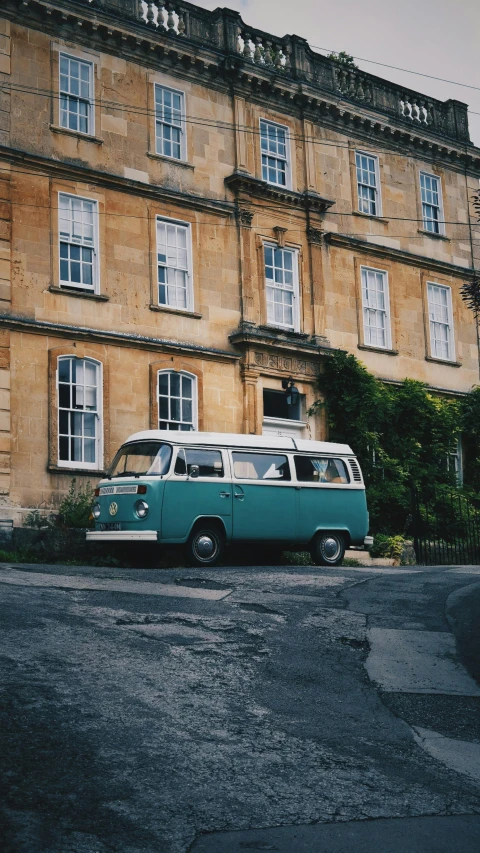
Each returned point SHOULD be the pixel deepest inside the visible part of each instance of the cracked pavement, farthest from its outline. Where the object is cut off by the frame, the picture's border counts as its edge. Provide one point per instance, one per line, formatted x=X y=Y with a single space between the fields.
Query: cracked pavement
x=148 y=710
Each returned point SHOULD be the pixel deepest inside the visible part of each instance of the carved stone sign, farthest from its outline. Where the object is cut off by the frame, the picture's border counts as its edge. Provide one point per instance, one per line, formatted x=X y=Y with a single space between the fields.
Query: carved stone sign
x=286 y=363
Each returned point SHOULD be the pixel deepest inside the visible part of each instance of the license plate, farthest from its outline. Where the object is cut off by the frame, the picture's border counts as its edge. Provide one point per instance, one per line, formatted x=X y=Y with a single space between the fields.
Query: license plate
x=111 y=525
x=118 y=490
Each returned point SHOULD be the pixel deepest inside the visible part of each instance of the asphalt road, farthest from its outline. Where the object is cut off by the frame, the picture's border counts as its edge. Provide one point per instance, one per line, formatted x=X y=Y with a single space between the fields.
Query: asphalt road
x=292 y=709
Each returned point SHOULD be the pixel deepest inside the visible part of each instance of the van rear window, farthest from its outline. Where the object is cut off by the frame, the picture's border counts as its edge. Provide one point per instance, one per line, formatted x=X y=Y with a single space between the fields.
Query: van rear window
x=260 y=466
x=318 y=469
x=148 y=458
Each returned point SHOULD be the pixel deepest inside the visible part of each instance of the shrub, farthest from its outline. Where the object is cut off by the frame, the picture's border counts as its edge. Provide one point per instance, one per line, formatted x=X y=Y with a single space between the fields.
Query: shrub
x=390 y=547
x=344 y=59
x=37 y=521
x=23 y=555
x=75 y=508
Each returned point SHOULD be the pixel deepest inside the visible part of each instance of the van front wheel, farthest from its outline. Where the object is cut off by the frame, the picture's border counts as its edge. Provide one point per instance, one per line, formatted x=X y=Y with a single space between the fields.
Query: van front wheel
x=205 y=546
x=328 y=549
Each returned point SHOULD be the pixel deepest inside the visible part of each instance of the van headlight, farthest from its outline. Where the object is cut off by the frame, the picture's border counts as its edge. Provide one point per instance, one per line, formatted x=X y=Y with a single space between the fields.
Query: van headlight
x=96 y=510
x=141 y=509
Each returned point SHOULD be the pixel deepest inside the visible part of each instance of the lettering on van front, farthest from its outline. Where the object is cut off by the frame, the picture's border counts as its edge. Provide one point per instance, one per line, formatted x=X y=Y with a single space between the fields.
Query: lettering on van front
x=118 y=490
x=286 y=363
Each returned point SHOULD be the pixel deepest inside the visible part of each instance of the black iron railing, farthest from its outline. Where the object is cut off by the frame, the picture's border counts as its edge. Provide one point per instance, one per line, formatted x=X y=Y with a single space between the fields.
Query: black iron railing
x=445 y=527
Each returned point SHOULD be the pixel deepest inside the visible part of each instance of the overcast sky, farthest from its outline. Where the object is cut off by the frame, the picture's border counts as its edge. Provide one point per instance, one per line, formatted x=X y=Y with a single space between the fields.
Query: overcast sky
x=437 y=37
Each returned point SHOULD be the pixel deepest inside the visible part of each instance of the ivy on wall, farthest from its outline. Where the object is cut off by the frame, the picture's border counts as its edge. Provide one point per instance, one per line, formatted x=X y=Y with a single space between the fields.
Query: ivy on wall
x=403 y=436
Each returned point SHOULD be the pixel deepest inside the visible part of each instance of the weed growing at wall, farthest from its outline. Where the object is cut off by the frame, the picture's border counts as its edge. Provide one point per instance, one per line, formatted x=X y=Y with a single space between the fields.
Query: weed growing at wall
x=76 y=507
x=74 y=511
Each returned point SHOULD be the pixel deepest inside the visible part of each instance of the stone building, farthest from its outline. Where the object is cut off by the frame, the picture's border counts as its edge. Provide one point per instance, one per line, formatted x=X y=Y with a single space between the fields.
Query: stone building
x=193 y=214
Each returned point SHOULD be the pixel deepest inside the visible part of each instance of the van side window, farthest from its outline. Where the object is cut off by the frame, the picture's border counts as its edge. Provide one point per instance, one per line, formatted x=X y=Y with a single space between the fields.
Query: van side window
x=317 y=469
x=260 y=466
x=209 y=462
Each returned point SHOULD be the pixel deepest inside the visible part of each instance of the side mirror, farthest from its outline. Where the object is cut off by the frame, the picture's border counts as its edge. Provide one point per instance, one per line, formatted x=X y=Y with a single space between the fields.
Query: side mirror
x=194 y=471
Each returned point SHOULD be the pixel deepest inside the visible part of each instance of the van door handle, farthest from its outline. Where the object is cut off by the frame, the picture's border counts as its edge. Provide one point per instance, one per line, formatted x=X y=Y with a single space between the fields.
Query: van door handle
x=239 y=496
x=224 y=494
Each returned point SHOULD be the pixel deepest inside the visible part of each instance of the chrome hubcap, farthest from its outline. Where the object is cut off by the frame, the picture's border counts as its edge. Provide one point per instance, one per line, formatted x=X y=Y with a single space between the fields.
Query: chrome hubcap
x=205 y=546
x=330 y=547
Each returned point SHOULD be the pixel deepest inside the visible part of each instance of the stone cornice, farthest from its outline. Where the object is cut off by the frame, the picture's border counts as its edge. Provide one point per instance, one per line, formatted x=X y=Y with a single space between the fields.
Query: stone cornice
x=294 y=78
x=249 y=334
x=354 y=244
x=245 y=186
x=74 y=172
x=18 y=323
x=436 y=389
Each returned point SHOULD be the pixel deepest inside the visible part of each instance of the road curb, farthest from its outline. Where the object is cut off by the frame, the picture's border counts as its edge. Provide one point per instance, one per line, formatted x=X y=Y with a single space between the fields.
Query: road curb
x=425 y=834
x=462 y=610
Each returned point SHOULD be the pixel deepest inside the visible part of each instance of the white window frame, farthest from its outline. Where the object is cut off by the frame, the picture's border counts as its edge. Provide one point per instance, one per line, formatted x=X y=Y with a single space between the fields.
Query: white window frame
x=194 y=381
x=367 y=307
x=74 y=240
x=90 y=101
x=295 y=289
x=377 y=187
x=287 y=159
x=441 y=217
x=98 y=413
x=159 y=141
x=455 y=459
x=432 y=322
x=188 y=270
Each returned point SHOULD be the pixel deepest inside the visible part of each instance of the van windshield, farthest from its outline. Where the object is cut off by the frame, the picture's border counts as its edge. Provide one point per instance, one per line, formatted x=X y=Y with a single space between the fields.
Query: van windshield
x=149 y=458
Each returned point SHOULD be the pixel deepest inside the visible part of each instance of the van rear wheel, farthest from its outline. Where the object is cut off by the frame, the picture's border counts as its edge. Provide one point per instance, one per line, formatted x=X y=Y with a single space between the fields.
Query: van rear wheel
x=206 y=545
x=328 y=549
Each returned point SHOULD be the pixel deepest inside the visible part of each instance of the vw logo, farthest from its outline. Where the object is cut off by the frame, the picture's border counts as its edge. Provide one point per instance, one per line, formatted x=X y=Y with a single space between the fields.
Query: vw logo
x=113 y=508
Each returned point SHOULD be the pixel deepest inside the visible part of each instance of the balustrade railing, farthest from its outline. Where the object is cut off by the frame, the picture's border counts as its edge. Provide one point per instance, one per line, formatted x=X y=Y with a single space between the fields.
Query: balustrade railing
x=164 y=17
x=352 y=84
x=415 y=108
x=291 y=56
x=261 y=49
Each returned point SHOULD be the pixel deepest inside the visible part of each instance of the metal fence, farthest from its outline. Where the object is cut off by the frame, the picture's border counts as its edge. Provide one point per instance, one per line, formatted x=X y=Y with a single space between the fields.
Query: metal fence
x=446 y=528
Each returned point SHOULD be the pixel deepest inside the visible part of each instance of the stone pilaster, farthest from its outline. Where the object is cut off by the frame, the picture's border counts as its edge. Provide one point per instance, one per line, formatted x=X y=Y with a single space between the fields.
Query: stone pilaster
x=311 y=173
x=247 y=257
x=317 y=273
x=241 y=147
x=5 y=305
x=5 y=97
x=251 y=413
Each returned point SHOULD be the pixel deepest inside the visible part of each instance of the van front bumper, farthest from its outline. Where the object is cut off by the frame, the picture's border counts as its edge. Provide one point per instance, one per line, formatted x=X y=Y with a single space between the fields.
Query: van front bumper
x=122 y=536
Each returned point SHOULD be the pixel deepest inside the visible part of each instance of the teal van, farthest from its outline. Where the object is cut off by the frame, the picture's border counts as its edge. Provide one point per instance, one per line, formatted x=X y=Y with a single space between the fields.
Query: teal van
x=203 y=490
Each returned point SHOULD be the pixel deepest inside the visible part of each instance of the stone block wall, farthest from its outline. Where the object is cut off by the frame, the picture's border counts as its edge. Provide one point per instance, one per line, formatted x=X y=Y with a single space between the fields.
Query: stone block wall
x=225 y=340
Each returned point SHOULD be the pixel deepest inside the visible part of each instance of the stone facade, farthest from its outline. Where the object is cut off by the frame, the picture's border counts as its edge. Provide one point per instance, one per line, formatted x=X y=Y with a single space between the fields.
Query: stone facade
x=230 y=79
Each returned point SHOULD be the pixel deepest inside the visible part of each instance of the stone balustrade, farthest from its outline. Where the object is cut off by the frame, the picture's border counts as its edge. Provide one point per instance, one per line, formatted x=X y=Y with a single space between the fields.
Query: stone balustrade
x=165 y=17
x=416 y=109
x=352 y=84
x=243 y=47
x=261 y=49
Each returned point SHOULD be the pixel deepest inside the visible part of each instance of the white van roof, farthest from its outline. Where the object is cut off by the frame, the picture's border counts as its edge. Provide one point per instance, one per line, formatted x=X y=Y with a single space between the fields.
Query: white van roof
x=228 y=439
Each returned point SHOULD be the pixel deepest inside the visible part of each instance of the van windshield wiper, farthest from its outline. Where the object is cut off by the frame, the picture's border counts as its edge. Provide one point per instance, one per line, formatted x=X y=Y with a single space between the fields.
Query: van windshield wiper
x=127 y=474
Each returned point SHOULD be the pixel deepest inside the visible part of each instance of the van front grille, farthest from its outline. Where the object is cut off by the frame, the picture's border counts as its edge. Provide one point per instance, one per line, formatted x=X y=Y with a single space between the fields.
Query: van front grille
x=357 y=477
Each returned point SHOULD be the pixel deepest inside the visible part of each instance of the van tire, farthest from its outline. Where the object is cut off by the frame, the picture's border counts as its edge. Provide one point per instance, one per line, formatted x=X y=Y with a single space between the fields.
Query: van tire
x=205 y=545
x=328 y=548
